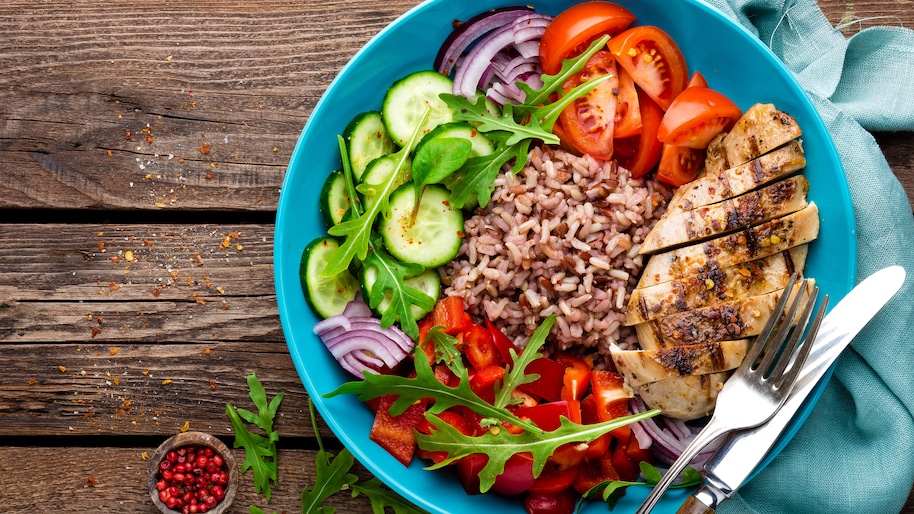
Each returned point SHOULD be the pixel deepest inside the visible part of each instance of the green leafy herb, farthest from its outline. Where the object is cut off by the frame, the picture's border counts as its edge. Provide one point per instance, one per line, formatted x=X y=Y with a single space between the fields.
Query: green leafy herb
x=477 y=177
x=358 y=231
x=259 y=450
x=437 y=159
x=611 y=490
x=390 y=284
x=382 y=497
x=333 y=475
x=501 y=445
x=555 y=83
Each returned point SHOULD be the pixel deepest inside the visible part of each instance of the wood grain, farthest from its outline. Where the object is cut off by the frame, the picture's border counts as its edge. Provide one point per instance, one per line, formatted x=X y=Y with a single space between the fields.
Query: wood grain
x=143 y=147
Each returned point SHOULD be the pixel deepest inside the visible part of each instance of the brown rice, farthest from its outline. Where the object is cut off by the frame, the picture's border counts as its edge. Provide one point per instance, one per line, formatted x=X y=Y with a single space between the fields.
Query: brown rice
x=560 y=237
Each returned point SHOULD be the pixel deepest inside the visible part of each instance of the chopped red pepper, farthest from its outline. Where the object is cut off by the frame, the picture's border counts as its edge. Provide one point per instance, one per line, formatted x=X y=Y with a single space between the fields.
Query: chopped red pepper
x=611 y=397
x=577 y=375
x=482 y=381
x=502 y=342
x=553 y=479
x=545 y=415
x=548 y=387
x=479 y=348
x=450 y=312
x=395 y=433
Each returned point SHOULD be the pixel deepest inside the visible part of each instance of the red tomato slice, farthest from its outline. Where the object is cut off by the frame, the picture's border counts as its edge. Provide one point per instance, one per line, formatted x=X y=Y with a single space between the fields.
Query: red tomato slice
x=576 y=27
x=628 y=111
x=654 y=61
x=696 y=116
x=589 y=121
x=697 y=79
x=679 y=164
x=640 y=154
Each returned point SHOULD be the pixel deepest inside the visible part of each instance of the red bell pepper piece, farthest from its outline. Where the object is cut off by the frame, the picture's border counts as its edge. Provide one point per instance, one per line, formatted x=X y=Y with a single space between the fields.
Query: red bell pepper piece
x=548 y=387
x=593 y=471
x=479 y=348
x=553 y=479
x=502 y=342
x=611 y=397
x=600 y=445
x=450 y=417
x=627 y=468
x=395 y=433
x=545 y=415
x=577 y=375
x=450 y=312
x=482 y=381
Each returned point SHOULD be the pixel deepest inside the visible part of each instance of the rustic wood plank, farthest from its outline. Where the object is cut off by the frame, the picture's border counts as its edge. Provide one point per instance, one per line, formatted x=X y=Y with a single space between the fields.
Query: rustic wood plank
x=65 y=390
x=112 y=479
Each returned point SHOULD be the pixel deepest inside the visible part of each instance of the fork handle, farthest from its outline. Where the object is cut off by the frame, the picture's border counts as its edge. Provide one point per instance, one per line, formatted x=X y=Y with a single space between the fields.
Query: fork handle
x=708 y=434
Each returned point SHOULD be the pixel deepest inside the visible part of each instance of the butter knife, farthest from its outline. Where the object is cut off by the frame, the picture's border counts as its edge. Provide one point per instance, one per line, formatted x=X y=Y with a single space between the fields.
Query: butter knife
x=739 y=455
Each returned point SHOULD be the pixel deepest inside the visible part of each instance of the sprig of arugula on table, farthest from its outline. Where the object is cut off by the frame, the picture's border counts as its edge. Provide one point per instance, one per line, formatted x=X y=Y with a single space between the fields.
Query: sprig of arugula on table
x=499 y=445
x=259 y=450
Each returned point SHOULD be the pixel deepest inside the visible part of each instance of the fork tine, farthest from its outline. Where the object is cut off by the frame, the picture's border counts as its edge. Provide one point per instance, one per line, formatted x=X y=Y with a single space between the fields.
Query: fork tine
x=800 y=360
x=763 y=339
x=796 y=295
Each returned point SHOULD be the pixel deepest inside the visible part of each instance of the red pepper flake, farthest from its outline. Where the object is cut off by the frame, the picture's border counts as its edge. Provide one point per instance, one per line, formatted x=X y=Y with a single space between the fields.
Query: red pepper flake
x=62 y=369
x=199 y=259
x=32 y=381
x=205 y=148
x=212 y=384
x=113 y=351
x=156 y=292
x=95 y=331
x=167 y=381
x=128 y=135
x=90 y=482
x=201 y=301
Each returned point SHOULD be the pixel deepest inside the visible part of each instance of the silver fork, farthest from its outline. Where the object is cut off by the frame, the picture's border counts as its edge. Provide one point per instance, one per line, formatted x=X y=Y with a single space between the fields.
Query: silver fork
x=760 y=385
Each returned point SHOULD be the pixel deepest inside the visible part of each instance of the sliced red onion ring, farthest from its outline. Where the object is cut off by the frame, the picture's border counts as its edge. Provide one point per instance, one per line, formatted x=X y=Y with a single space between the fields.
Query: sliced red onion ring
x=668 y=444
x=528 y=49
x=468 y=75
x=471 y=30
x=357 y=341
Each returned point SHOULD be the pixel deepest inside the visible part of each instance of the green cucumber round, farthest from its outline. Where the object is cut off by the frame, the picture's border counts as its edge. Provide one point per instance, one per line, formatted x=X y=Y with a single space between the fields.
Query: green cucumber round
x=429 y=282
x=430 y=238
x=327 y=296
x=407 y=99
x=334 y=199
x=367 y=139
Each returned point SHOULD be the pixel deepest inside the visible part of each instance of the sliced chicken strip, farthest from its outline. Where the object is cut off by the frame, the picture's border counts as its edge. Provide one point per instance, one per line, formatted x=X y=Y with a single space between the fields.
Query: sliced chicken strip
x=640 y=367
x=688 y=397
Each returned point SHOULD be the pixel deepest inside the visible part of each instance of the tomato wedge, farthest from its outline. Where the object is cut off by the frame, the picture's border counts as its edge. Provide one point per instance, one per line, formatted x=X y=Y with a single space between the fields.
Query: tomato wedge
x=679 y=164
x=654 y=61
x=628 y=110
x=640 y=154
x=696 y=116
x=576 y=27
x=589 y=121
x=697 y=79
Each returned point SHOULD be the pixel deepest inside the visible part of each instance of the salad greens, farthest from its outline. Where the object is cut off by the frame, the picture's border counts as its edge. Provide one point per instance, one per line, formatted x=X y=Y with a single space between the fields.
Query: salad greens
x=259 y=451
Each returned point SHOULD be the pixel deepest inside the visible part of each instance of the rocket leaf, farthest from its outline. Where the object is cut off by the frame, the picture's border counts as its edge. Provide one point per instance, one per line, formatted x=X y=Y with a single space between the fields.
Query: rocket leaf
x=390 y=284
x=260 y=451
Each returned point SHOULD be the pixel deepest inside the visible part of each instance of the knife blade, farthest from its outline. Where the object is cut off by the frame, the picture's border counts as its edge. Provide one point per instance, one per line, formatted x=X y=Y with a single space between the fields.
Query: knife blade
x=739 y=455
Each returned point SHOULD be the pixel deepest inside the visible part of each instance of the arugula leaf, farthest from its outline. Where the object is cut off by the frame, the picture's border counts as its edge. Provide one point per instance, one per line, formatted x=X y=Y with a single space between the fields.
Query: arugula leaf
x=612 y=490
x=476 y=113
x=382 y=497
x=332 y=474
x=260 y=451
x=446 y=350
x=390 y=284
x=500 y=445
x=516 y=375
x=477 y=177
x=555 y=83
x=358 y=231
x=354 y=201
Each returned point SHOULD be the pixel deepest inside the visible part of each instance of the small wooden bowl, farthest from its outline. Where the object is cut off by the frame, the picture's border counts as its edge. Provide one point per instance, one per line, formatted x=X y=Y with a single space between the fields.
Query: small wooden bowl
x=194 y=439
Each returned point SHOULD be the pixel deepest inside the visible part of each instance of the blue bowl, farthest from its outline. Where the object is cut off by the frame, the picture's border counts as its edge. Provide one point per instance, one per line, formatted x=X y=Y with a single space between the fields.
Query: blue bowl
x=733 y=61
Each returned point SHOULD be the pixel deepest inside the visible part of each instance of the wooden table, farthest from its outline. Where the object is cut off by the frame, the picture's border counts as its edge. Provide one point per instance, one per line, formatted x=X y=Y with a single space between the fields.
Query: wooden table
x=142 y=149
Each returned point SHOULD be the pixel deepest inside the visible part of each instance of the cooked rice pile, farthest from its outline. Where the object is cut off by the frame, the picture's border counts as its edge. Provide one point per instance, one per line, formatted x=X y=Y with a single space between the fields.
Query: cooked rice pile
x=560 y=237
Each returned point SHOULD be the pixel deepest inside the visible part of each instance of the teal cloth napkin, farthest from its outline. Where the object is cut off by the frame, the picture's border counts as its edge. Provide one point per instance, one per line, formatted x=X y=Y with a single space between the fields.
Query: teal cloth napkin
x=854 y=453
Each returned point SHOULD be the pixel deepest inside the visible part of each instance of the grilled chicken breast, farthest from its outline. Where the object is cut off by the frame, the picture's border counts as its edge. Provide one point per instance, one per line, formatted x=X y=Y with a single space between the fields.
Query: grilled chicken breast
x=735 y=319
x=688 y=397
x=759 y=130
x=775 y=200
x=716 y=186
x=752 y=243
x=715 y=285
x=641 y=367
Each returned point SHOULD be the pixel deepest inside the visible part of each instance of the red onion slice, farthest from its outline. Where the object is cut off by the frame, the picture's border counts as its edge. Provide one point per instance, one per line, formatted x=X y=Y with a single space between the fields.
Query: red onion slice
x=476 y=62
x=471 y=30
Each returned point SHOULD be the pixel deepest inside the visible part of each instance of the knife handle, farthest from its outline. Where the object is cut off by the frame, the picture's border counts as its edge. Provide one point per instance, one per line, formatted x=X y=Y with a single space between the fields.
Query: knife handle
x=693 y=505
x=703 y=501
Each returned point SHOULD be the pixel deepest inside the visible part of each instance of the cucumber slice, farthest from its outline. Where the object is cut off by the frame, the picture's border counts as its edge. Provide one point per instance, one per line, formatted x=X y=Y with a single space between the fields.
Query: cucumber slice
x=480 y=144
x=327 y=296
x=429 y=282
x=406 y=101
x=334 y=199
x=368 y=139
x=433 y=238
x=379 y=171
